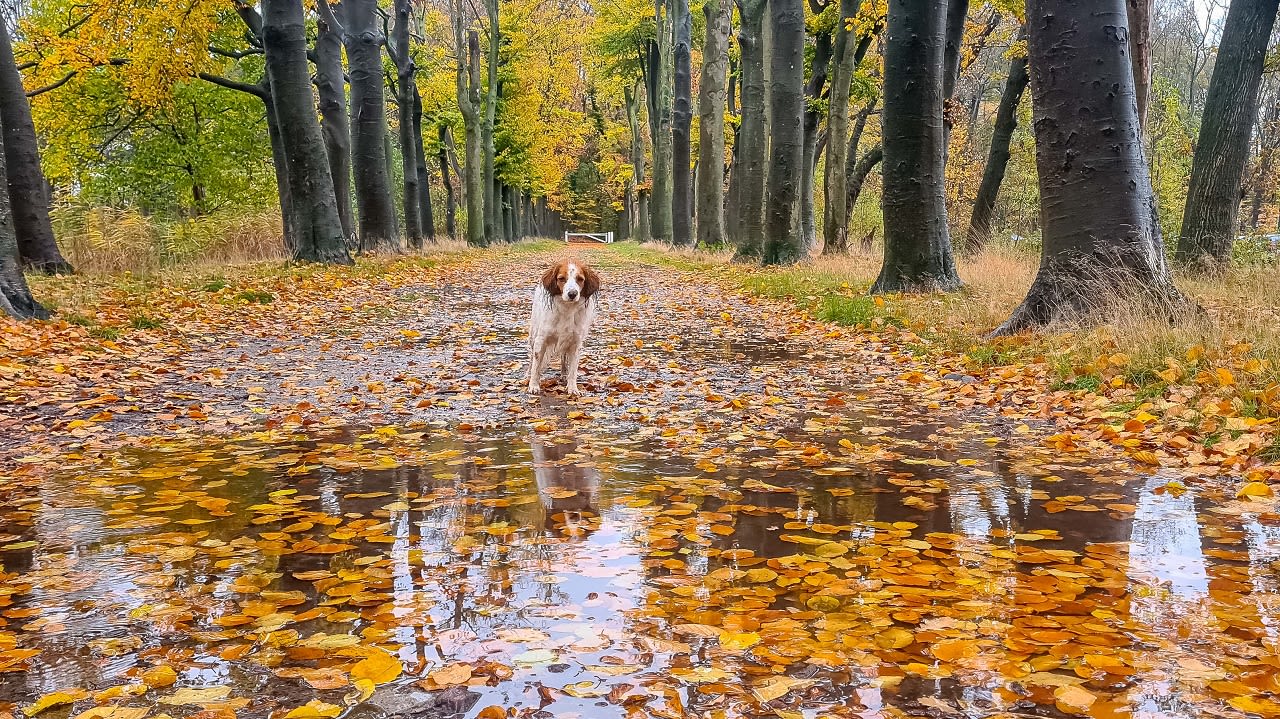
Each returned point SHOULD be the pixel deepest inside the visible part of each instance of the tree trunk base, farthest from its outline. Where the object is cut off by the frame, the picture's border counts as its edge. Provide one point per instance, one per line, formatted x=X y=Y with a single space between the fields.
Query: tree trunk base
x=49 y=267
x=1069 y=297
x=17 y=302
x=903 y=280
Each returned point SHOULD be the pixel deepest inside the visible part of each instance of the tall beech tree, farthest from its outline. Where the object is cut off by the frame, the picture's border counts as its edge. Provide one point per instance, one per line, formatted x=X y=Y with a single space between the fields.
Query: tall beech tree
x=784 y=242
x=658 y=79
x=815 y=89
x=1102 y=249
x=998 y=157
x=711 y=109
x=450 y=200
x=335 y=123
x=318 y=231
x=846 y=56
x=406 y=92
x=28 y=190
x=640 y=209
x=1222 y=152
x=748 y=181
x=467 y=46
x=15 y=296
x=364 y=41
x=493 y=203
x=681 y=124
x=426 y=220
x=917 y=247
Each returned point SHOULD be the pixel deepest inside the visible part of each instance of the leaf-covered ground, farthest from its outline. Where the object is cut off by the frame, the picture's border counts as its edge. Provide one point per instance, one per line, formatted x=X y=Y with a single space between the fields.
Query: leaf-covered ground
x=321 y=493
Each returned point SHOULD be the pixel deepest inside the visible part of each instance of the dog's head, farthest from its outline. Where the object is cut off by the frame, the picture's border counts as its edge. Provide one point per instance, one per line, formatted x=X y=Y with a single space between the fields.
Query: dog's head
x=571 y=281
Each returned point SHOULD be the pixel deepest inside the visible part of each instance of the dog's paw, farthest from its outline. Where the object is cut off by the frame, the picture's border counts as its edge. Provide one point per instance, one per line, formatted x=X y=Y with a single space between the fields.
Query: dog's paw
x=535 y=389
x=573 y=392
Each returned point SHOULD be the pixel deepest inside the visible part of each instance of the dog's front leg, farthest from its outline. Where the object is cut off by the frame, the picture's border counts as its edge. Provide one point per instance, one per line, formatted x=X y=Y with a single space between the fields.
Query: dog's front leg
x=572 y=354
x=537 y=354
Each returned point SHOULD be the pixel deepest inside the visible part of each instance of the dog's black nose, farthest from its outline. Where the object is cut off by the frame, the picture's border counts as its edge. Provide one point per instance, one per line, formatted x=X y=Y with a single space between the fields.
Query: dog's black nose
x=573 y=294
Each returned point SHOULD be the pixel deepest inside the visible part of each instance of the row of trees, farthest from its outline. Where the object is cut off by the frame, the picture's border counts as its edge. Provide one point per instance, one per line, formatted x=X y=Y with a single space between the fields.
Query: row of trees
x=590 y=112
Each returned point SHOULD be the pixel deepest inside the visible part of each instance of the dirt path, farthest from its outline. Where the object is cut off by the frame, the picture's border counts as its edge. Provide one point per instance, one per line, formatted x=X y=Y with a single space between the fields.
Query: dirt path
x=437 y=344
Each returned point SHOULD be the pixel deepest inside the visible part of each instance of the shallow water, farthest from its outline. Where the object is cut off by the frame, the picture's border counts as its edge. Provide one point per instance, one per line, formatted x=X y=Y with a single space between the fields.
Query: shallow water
x=869 y=563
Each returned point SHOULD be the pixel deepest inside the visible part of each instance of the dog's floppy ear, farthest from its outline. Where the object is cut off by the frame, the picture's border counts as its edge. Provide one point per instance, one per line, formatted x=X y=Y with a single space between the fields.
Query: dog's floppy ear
x=551 y=280
x=590 y=283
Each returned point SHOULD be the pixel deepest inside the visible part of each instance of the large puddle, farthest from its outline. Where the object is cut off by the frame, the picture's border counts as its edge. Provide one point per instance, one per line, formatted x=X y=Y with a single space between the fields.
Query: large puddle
x=851 y=566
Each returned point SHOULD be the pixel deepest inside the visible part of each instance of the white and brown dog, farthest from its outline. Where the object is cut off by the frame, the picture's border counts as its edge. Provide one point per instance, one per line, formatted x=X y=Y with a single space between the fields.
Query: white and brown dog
x=564 y=305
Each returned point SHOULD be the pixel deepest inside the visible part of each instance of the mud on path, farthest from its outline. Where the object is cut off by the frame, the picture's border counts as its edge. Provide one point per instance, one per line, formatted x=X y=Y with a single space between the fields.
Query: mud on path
x=341 y=504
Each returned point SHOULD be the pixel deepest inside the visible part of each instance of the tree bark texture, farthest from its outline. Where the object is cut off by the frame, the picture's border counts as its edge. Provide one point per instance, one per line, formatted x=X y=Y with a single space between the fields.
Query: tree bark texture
x=1139 y=14
x=640 y=212
x=711 y=109
x=406 y=91
x=823 y=46
x=27 y=188
x=957 y=13
x=1101 y=249
x=15 y=296
x=426 y=214
x=835 y=224
x=1222 y=151
x=468 y=81
x=318 y=230
x=364 y=41
x=658 y=91
x=493 y=197
x=335 y=123
x=749 y=169
x=681 y=124
x=450 y=200
x=784 y=243
x=917 y=247
x=998 y=156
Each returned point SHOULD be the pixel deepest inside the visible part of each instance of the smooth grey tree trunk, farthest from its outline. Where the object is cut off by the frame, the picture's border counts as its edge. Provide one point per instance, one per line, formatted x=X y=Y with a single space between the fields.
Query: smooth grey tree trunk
x=406 y=90
x=640 y=214
x=814 y=92
x=835 y=221
x=314 y=205
x=1222 y=150
x=377 y=209
x=426 y=214
x=711 y=109
x=450 y=200
x=917 y=247
x=1101 y=248
x=27 y=188
x=783 y=241
x=749 y=170
x=681 y=124
x=493 y=196
x=468 y=82
x=15 y=296
x=998 y=157
x=335 y=123
x=659 y=70
x=957 y=12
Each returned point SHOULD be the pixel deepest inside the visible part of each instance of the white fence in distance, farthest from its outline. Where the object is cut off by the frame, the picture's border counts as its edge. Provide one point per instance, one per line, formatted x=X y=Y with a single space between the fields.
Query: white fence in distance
x=604 y=238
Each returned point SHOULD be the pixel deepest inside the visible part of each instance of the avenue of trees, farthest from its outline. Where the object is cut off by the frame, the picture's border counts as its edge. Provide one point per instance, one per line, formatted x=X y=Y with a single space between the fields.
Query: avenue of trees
x=770 y=126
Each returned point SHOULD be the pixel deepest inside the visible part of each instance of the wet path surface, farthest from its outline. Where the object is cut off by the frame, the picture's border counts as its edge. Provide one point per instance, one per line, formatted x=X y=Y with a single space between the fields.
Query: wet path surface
x=739 y=522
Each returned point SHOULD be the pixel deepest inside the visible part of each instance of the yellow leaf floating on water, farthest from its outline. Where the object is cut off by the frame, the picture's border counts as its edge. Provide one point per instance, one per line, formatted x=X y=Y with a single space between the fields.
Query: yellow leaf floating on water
x=199 y=697
x=1255 y=489
x=823 y=603
x=761 y=575
x=362 y=691
x=161 y=676
x=114 y=713
x=771 y=688
x=742 y=640
x=378 y=666
x=894 y=638
x=830 y=549
x=48 y=701
x=950 y=650
x=700 y=675
x=1074 y=699
x=1146 y=457
x=315 y=709
x=451 y=675
x=1264 y=707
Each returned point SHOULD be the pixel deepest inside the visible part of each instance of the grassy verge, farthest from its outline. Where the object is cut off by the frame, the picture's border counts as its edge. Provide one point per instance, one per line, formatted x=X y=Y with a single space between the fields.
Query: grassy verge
x=1188 y=383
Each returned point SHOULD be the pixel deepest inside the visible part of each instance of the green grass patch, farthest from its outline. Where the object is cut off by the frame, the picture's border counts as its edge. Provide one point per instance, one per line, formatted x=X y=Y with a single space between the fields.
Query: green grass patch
x=143 y=322
x=256 y=297
x=1079 y=383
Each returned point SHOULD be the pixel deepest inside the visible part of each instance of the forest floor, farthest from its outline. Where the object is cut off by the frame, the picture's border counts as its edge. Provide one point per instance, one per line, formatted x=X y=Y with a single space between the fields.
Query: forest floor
x=322 y=492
